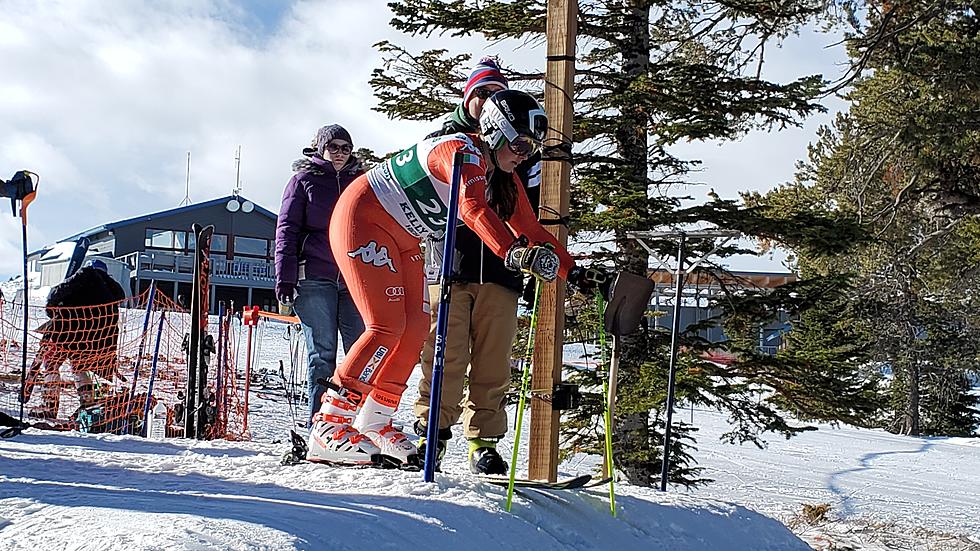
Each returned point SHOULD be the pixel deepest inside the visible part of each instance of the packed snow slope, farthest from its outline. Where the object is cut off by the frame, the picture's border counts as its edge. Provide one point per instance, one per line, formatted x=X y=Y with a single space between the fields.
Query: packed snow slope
x=72 y=491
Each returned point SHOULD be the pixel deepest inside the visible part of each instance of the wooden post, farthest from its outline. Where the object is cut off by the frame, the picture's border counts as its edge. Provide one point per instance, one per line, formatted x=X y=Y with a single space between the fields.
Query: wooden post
x=558 y=89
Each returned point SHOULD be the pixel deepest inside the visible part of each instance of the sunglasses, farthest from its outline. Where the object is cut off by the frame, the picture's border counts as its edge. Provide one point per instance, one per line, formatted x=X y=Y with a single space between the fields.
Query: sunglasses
x=523 y=146
x=334 y=148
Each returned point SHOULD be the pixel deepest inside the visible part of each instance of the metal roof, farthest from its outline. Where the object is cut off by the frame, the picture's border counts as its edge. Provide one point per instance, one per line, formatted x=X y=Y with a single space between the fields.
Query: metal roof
x=169 y=212
x=154 y=215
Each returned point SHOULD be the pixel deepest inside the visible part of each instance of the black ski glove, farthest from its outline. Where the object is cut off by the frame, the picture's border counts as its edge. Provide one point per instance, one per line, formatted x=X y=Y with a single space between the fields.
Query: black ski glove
x=589 y=280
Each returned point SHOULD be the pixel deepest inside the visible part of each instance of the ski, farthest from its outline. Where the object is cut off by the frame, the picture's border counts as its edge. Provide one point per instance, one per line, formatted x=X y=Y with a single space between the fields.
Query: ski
x=297 y=455
x=196 y=395
x=598 y=482
x=15 y=426
x=298 y=451
x=575 y=483
x=77 y=256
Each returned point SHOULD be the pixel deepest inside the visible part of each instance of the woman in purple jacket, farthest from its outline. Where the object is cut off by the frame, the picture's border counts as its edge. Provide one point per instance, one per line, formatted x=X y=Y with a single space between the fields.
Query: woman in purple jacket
x=306 y=274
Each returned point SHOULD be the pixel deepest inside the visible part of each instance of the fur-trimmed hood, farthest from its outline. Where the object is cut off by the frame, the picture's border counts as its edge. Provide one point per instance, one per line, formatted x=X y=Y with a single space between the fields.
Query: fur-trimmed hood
x=316 y=165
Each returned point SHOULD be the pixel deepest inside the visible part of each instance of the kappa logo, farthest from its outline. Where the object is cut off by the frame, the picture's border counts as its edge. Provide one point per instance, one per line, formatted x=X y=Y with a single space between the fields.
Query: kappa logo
x=395 y=294
x=368 y=370
x=372 y=254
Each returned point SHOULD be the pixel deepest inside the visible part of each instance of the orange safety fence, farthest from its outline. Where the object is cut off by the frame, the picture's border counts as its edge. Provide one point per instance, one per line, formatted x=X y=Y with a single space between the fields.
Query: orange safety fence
x=85 y=369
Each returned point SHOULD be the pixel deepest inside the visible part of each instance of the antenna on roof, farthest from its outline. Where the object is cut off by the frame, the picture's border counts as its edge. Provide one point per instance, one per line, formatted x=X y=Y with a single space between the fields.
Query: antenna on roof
x=187 y=185
x=238 y=171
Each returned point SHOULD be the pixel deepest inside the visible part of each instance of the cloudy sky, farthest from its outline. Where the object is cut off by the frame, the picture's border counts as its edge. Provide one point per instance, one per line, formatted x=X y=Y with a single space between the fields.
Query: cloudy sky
x=105 y=98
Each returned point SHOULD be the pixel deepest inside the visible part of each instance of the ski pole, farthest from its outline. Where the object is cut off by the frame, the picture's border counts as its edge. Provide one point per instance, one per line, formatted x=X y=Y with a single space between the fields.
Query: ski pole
x=153 y=374
x=24 y=189
x=220 y=349
x=139 y=354
x=251 y=319
x=609 y=394
x=442 y=323
x=231 y=360
x=525 y=383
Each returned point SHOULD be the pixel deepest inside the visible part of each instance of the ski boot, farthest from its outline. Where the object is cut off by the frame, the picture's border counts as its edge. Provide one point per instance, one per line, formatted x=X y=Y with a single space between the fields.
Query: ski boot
x=332 y=439
x=444 y=436
x=374 y=422
x=484 y=458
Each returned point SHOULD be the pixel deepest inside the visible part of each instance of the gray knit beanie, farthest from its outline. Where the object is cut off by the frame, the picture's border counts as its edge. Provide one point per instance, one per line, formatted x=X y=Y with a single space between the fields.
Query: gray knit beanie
x=325 y=135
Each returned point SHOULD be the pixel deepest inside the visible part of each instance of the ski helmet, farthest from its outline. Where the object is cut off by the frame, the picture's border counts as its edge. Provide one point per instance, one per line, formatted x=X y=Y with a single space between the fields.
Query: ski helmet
x=514 y=118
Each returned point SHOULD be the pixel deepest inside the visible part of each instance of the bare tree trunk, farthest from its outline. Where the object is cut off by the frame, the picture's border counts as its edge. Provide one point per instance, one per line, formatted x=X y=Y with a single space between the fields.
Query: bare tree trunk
x=913 y=402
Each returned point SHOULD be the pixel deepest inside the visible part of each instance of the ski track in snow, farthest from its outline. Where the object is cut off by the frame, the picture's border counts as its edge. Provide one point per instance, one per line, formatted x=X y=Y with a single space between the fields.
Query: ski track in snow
x=868 y=477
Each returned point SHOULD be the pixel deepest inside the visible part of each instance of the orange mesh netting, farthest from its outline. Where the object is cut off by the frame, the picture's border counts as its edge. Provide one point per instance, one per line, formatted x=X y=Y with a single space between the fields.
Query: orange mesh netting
x=85 y=370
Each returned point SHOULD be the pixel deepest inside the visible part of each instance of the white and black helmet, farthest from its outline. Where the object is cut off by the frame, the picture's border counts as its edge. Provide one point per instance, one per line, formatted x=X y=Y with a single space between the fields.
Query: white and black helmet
x=516 y=118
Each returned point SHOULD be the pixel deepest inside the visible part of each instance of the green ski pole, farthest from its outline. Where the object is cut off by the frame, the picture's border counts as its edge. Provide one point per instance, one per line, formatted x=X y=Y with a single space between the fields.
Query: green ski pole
x=606 y=413
x=525 y=383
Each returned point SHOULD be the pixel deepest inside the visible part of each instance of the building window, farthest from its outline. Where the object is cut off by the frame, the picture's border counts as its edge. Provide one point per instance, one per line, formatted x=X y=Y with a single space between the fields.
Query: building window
x=180 y=241
x=159 y=239
x=219 y=243
x=250 y=246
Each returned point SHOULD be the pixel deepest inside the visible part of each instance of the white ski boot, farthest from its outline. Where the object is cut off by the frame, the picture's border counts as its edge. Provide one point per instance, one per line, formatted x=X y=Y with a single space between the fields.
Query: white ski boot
x=374 y=422
x=333 y=440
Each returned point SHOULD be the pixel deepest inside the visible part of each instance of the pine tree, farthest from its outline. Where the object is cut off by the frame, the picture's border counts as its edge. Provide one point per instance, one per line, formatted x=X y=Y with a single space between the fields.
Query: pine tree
x=649 y=75
x=902 y=166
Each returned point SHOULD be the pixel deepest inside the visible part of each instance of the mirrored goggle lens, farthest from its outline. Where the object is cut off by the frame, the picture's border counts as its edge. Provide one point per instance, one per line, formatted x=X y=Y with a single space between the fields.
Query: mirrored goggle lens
x=523 y=145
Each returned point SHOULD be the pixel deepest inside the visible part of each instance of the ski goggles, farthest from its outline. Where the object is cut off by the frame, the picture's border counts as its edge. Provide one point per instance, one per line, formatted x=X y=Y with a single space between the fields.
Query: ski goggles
x=524 y=146
x=485 y=92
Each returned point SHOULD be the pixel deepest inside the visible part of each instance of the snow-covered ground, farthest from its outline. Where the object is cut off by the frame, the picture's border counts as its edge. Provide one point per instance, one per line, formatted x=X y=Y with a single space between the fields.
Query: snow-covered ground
x=884 y=491
x=71 y=491
x=66 y=491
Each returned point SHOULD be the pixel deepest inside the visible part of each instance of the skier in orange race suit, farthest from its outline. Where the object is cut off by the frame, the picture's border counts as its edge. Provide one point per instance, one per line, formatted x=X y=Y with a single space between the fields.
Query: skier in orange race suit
x=375 y=233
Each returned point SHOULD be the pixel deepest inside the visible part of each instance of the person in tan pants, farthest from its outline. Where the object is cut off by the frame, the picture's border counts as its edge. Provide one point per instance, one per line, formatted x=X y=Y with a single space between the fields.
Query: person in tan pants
x=483 y=311
x=483 y=324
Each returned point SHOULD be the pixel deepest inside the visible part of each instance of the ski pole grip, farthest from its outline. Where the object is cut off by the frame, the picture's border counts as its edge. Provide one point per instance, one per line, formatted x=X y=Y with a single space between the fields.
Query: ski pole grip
x=250 y=316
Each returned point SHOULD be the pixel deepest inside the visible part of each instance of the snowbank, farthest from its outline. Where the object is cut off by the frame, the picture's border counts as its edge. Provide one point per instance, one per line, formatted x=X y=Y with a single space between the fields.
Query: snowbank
x=72 y=491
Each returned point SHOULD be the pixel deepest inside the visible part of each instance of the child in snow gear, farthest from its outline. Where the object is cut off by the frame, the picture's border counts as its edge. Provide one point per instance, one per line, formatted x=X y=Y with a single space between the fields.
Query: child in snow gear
x=307 y=278
x=375 y=237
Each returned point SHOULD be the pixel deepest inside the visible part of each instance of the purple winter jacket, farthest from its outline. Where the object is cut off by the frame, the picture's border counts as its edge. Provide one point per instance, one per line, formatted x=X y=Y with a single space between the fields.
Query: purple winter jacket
x=302 y=244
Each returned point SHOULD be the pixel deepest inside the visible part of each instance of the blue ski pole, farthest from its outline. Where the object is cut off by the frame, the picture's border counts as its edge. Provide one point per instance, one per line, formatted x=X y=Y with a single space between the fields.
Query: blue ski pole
x=442 y=323
x=139 y=355
x=153 y=372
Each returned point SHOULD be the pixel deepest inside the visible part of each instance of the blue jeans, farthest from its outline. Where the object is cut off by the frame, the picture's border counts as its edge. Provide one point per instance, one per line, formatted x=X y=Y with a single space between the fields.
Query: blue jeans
x=323 y=307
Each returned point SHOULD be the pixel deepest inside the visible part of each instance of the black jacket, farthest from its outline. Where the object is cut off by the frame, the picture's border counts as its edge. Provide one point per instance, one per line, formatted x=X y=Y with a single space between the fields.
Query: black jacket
x=475 y=262
x=84 y=312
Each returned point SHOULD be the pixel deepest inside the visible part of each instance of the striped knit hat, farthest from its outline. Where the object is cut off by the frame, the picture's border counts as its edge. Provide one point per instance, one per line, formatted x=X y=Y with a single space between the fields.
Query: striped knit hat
x=485 y=72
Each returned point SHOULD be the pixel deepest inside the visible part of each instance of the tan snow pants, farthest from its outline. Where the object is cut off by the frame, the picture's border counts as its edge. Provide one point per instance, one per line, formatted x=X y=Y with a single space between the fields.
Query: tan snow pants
x=482 y=326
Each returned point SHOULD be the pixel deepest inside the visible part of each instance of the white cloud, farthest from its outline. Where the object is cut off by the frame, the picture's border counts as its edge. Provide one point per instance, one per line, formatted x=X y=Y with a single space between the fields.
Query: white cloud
x=105 y=98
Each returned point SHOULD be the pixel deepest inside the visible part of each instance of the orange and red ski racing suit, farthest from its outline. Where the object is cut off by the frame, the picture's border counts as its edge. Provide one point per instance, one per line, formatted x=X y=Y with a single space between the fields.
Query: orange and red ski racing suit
x=375 y=232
